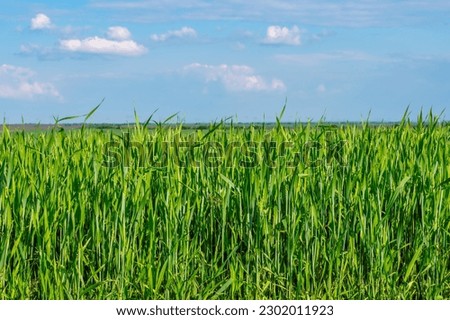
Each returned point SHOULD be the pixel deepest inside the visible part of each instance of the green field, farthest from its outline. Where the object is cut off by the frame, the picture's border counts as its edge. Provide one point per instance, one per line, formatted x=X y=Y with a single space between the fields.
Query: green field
x=307 y=211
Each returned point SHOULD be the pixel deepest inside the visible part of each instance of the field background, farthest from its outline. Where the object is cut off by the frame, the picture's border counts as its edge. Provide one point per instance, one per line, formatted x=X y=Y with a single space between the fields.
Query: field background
x=364 y=212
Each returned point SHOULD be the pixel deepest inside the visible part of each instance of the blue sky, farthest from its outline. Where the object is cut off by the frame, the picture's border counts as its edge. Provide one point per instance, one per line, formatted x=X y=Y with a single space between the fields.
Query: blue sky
x=207 y=60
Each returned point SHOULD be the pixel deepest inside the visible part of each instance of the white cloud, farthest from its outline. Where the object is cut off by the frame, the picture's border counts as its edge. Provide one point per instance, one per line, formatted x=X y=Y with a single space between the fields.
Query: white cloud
x=283 y=35
x=99 y=45
x=185 y=32
x=239 y=46
x=321 y=88
x=18 y=83
x=41 y=21
x=118 y=33
x=235 y=77
x=41 y=52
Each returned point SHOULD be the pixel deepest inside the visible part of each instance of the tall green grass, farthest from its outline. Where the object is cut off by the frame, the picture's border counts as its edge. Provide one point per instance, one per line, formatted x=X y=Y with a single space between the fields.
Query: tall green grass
x=309 y=212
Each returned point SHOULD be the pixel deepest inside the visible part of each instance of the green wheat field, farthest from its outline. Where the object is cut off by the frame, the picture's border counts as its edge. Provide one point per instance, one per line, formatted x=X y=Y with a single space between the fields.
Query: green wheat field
x=305 y=211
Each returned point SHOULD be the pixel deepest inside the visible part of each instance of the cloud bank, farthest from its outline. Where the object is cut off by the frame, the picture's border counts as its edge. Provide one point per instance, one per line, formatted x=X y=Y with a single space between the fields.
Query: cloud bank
x=118 y=42
x=283 y=35
x=118 y=33
x=40 y=22
x=185 y=32
x=17 y=83
x=235 y=77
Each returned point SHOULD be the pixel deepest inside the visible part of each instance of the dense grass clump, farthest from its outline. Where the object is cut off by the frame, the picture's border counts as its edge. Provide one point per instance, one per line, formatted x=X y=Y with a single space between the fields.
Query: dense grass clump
x=302 y=212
